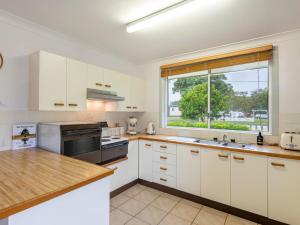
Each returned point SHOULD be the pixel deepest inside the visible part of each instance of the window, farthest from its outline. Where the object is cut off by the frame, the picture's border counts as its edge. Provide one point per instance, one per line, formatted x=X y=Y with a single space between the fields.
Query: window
x=229 y=98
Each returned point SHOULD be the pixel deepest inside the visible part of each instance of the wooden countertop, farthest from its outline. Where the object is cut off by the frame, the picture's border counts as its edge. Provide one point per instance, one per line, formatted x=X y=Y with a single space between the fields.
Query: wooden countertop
x=267 y=150
x=30 y=177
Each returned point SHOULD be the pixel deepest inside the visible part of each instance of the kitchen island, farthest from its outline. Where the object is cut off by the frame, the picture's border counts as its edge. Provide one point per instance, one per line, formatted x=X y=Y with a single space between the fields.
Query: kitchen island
x=39 y=187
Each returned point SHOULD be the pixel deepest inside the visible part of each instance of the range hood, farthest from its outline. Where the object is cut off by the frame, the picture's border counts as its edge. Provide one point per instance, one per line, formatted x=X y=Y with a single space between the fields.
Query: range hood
x=94 y=94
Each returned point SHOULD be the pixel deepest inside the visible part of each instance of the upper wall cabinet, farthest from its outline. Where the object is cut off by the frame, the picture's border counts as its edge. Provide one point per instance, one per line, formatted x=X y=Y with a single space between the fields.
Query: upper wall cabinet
x=48 y=82
x=95 y=77
x=76 y=85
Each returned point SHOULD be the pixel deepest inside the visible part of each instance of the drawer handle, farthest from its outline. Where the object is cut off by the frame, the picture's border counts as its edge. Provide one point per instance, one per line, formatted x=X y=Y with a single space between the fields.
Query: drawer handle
x=73 y=105
x=99 y=84
x=163 y=179
x=163 y=157
x=114 y=169
x=195 y=151
x=148 y=145
x=134 y=107
x=277 y=164
x=223 y=156
x=59 y=104
x=163 y=146
x=239 y=158
x=163 y=168
x=128 y=107
x=107 y=85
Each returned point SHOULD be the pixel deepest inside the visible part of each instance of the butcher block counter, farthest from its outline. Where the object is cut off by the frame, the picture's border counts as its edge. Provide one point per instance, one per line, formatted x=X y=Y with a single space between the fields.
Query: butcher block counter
x=267 y=150
x=33 y=176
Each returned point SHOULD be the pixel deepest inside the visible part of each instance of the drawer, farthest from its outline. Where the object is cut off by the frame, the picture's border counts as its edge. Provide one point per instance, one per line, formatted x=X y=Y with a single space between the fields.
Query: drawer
x=146 y=145
x=164 y=147
x=165 y=169
x=165 y=180
x=164 y=158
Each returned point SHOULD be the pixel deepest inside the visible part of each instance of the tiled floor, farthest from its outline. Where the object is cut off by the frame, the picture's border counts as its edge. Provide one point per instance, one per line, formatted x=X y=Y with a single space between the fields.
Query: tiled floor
x=141 y=205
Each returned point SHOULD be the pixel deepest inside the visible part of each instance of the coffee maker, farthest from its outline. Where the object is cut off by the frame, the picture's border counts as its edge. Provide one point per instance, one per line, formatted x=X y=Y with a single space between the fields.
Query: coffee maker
x=132 y=125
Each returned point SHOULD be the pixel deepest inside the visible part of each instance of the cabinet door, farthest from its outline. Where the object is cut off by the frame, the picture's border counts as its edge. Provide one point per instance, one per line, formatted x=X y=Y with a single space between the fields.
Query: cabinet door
x=145 y=160
x=215 y=175
x=249 y=183
x=188 y=169
x=110 y=80
x=119 y=178
x=133 y=161
x=76 y=85
x=95 y=77
x=123 y=87
x=137 y=89
x=52 y=82
x=284 y=190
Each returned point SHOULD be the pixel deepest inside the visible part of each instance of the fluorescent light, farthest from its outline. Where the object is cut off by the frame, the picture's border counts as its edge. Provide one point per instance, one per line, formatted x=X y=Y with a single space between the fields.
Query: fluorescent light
x=167 y=13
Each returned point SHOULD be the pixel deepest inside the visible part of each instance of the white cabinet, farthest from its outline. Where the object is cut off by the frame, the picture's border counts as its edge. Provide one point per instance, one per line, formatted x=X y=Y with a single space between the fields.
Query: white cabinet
x=110 y=80
x=284 y=190
x=95 y=77
x=188 y=169
x=145 y=160
x=215 y=175
x=48 y=81
x=133 y=161
x=137 y=94
x=249 y=183
x=76 y=85
x=119 y=178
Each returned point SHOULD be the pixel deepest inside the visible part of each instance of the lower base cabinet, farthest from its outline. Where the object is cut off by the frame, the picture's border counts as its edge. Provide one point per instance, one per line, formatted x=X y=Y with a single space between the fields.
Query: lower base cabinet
x=119 y=178
x=284 y=190
x=133 y=161
x=215 y=175
x=188 y=169
x=249 y=183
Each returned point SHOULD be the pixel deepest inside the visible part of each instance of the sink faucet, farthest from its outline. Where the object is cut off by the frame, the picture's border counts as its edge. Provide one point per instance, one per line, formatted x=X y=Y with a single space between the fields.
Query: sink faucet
x=225 y=138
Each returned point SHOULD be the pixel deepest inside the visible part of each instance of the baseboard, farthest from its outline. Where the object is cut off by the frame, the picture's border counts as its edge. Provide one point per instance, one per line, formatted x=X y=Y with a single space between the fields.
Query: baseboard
x=123 y=188
x=216 y=205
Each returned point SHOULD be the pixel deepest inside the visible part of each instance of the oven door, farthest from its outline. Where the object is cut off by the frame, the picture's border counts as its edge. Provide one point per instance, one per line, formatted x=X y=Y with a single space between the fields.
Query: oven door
x=82 y=144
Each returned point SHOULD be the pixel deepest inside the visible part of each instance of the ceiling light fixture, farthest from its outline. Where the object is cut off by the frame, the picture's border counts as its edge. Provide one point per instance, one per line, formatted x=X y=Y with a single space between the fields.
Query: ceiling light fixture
x=166 y=13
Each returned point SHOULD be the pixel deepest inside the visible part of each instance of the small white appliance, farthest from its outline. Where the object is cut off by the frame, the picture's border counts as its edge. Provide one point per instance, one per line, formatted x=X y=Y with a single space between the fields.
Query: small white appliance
x=290 y=141
x=150 y=128
x=132 y=125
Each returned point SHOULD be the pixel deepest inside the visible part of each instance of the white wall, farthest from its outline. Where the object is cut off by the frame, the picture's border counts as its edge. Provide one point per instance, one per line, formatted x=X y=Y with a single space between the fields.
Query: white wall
x=20 y=38
x=286 y=90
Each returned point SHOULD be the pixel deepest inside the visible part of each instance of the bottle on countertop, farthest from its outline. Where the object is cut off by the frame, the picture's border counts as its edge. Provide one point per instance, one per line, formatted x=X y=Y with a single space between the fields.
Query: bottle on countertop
x=260 y=139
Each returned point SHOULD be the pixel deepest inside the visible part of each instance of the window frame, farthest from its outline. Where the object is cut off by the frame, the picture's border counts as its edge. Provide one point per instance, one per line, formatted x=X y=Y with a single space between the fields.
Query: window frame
x=164 y=99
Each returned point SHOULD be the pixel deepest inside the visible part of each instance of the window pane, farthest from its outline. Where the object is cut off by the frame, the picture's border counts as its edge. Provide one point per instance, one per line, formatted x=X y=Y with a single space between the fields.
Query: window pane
x=188 y=101
x=239 y=100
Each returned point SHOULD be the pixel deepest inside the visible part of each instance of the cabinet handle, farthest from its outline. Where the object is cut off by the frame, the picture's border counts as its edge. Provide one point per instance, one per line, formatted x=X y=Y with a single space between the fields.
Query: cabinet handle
x=59 y=104
x=163 y=146
x=128 y=107
x=163 y=168
x=239 y=158
x=195 y=151
x=107 y=85
x=277 y=164
x=134 y=107
x=114 y=169
x=163 y=179
x=163 y=157
x=73 y=105
x=223 y=156
x=99 y=84
x=148 y=145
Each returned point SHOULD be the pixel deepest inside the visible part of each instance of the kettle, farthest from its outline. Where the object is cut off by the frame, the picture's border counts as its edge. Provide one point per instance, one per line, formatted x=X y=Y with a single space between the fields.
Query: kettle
x=150 y=128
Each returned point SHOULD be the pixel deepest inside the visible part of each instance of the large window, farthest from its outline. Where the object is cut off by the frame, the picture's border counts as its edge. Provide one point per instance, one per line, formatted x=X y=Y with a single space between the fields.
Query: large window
x=230 y=98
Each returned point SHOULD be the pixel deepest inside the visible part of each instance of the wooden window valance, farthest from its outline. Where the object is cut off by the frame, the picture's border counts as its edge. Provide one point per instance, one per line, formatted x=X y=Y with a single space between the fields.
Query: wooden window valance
x=218 y=61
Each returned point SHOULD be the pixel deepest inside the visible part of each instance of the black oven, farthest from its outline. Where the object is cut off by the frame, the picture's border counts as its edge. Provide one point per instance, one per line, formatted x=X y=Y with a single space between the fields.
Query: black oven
x=82 y=141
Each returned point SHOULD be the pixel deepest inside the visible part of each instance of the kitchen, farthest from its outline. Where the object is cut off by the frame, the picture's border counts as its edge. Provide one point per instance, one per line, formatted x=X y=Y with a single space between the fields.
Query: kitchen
x=207 y=170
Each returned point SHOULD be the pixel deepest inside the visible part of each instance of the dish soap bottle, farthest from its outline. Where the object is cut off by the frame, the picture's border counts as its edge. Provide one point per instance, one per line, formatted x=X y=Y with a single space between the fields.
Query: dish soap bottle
x=260 y=139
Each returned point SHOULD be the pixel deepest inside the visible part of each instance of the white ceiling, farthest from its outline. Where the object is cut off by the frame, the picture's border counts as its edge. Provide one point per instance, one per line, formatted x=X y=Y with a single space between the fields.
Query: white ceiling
x=215 y=22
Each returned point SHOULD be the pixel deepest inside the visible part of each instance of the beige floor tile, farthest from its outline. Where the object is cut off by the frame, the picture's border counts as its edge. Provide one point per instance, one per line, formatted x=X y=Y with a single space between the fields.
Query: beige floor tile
x=163 y=203
x=111 y=208
x=173 y=197
x=233 y=220
x=209 y=216
x=185 y=211
x=146 y=196
x=135 y=221
x=154 y=191
x=141 y=186
x=119 y=200
x=133 y=191
x=194 y=204
x=151 y=215
x=118 y=217
x=173 y=220
x=132 y=207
